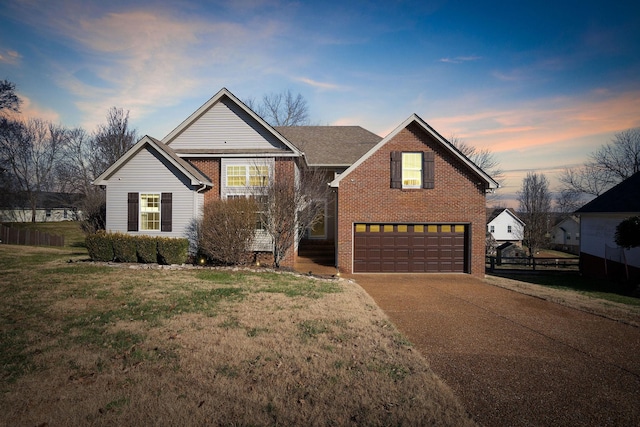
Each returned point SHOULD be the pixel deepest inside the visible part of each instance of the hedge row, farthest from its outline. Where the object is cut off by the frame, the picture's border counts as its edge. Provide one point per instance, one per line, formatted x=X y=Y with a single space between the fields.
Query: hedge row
x=122 y=247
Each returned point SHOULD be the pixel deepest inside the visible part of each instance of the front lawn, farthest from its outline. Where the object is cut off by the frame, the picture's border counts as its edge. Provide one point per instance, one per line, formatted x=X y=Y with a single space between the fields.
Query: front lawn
x=89 y=344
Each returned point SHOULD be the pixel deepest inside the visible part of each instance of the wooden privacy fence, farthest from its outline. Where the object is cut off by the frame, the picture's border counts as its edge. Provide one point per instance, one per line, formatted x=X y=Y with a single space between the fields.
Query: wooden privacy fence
x=24 y=236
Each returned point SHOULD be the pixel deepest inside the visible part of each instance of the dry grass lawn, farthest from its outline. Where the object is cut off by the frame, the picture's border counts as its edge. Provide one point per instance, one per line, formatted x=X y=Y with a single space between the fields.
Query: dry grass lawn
x=87 y=344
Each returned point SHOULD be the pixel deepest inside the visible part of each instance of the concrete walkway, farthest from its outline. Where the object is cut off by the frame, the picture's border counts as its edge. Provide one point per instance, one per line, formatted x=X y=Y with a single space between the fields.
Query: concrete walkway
x=513 y=359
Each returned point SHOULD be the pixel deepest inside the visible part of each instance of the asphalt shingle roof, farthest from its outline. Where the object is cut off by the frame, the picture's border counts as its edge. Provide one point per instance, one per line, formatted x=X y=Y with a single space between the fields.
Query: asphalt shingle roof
x=330 y=145
x=624 y=197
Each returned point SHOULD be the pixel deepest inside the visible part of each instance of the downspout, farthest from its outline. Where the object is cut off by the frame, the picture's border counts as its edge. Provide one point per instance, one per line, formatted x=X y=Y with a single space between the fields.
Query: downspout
x=195 y=199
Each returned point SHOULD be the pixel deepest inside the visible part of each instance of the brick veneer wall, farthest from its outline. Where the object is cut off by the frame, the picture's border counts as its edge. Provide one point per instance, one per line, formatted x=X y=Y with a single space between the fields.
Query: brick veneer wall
x=284 y=169
x=365 y=195
x=211 y=169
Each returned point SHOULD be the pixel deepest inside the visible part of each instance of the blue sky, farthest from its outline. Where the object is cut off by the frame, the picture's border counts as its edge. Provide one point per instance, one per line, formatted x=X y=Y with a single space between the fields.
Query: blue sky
x=541 y=84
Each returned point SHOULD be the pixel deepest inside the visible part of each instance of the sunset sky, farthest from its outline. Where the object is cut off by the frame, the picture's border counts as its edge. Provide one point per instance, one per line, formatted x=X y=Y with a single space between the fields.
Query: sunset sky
x=541 y=84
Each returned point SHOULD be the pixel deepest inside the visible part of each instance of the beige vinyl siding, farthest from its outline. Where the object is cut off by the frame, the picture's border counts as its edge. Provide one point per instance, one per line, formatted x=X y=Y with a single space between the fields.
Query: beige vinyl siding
x=147 y=172
x=226 y=126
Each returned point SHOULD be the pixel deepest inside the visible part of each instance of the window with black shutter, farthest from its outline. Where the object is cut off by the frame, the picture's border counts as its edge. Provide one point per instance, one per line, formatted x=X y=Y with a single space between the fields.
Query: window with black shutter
x=413 y=169
x=150 y=212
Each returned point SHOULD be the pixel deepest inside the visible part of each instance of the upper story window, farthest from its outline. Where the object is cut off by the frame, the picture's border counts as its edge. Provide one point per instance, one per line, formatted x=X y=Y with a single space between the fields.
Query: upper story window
x=508 y=229
x=258 y=176
x=247 y=175
x=412 y=169
x=492 y=228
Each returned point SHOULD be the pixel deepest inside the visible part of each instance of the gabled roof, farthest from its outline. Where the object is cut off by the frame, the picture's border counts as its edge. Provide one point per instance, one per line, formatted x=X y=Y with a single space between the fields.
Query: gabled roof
x=196 y=177
x=623 y=198
x=489 y=182
x=225 y=93
x=337 y=146
x=497 y=212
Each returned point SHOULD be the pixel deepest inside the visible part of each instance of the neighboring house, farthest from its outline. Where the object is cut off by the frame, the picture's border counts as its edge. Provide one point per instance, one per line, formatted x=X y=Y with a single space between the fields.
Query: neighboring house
x=50 y=207
x=565 y=235
x=408 y=202
x=505 y=226
x=599 y=254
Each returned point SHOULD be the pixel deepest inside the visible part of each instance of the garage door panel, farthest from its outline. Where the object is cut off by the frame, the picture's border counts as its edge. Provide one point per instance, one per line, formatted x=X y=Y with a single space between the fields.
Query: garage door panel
x=417 y=241
x=410 y=248
x=402 y=241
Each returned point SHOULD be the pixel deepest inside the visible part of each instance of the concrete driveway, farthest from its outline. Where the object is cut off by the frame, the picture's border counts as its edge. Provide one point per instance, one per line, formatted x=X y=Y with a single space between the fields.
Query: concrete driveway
x=513 y=359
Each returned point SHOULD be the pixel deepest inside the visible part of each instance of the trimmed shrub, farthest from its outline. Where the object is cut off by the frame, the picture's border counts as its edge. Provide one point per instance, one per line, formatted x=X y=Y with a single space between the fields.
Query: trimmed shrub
x=124 y=247
x=100 y=246
x=172 y=251
x=147 y=249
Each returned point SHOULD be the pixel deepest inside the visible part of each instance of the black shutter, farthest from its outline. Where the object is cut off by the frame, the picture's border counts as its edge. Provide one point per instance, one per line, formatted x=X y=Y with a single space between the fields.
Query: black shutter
x=132 y=211
x=396 y=169
x=428 y=169
x=166 y=208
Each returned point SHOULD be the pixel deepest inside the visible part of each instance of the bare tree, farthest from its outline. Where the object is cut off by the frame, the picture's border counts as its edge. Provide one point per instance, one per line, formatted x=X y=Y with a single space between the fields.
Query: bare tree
x=535 y=206
x=86 y=157
x=31 y=150
x=111 y=140
x=76 y=170
x=484 y=159
x=609 y=165
x=567 y=202
x=290 y=208
x=281 y=109
x=8 y=98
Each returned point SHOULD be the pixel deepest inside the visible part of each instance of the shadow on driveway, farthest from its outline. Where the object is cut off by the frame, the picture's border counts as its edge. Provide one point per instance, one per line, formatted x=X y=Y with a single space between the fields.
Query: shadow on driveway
x=514 y=359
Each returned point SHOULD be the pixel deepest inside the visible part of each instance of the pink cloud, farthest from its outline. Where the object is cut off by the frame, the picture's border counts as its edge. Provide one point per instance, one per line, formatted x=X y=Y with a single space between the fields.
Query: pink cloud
x=8 y=56
x=545 y=122
x=30 y=110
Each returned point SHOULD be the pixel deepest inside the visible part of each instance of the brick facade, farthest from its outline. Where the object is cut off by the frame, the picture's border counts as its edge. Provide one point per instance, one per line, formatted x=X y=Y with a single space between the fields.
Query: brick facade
x=366 y=196
x=211 y=169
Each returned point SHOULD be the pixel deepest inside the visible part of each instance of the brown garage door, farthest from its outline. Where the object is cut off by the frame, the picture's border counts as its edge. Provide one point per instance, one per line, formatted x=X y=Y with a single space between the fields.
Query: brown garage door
x=402 y=248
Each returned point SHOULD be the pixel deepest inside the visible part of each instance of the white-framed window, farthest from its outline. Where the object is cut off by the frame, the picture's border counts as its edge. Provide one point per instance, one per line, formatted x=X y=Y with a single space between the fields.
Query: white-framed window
x=411 y=170
x=247 y=175
x=509 y=229
x=492 y=228
x=150 y=211
x=258 y=176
